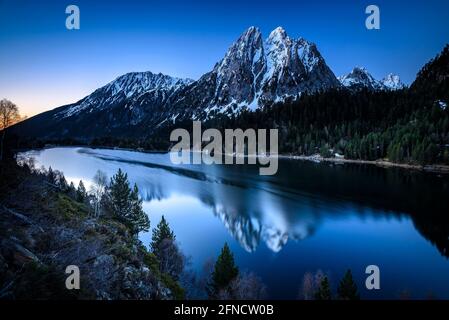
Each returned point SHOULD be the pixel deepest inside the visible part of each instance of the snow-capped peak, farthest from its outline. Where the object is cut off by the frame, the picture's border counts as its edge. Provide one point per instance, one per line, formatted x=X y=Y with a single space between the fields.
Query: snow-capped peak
x=278 y=34
x=392 y=82
x=360 y=78
x=256 y=72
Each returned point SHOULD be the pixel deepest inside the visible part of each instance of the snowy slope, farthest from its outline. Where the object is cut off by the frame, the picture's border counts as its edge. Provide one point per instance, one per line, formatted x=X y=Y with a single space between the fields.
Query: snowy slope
x=126 y=89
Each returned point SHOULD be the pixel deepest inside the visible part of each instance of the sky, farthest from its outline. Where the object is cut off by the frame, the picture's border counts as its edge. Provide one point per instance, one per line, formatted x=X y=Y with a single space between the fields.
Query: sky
x=44 y=65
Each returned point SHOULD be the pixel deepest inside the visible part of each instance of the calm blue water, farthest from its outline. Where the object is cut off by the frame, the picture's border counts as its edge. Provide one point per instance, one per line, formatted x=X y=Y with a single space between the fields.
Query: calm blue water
x=307 y=217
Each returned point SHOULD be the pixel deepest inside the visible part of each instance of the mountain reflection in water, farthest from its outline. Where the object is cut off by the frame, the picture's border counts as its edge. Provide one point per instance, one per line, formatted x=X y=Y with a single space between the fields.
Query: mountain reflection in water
x=372 y=205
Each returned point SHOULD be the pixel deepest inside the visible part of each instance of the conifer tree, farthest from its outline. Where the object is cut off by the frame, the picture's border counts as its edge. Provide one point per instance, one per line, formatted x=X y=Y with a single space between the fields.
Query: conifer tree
x=61 y=182
x=72 y=190
x=81 y=193
x=161 y=233
x=324 y=291
x=137 y=217
x=120 y=193
x=165 y=248
x=51 y=176
x=126 y=205
x=347 y=289
x=225 y=271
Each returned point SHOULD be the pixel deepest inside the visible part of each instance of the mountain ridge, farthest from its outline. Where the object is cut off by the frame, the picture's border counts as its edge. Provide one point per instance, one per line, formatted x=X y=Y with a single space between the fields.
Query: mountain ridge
x=254 y=73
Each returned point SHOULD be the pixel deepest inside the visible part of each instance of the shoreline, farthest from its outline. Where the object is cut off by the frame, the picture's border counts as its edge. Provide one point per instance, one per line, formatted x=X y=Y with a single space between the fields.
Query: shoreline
x=432 y=168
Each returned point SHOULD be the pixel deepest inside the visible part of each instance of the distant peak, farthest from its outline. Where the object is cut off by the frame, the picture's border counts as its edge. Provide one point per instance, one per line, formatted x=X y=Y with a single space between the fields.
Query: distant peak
x=393 y=82
x=304 y=41
x=251 y=34
x=391 y=76
x=359 y=69
x=279 y=32
x=252 y=29
x=360 y=77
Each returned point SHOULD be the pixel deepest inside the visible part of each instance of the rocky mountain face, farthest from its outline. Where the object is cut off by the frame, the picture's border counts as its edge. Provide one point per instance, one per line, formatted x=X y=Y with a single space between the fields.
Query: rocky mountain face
x=360 y=78
x=256 y=73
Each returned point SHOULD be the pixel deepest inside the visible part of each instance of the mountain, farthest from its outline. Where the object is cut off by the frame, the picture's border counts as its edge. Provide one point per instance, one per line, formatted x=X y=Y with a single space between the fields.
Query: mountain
x=254 y=73
x=360 y=78
x=125 y=91
x=404 y=126
x=433 y=79
x=392 y=82
x=120 y=108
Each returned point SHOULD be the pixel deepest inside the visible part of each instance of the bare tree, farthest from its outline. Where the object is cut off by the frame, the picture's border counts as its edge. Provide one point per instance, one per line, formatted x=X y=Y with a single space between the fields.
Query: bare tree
x=171 y=260
x=248 y=286
x=196 y=286
x=9 y=114
x=310 y=284
x=308 y=287
x=98 y=189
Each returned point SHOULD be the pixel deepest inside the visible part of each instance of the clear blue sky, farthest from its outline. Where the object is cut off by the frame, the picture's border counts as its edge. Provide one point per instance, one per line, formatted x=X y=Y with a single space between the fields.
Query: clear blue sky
x=43 y=65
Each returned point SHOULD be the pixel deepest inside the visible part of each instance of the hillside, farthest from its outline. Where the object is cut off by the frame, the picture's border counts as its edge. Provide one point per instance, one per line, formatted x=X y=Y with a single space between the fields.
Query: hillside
x=44 y=229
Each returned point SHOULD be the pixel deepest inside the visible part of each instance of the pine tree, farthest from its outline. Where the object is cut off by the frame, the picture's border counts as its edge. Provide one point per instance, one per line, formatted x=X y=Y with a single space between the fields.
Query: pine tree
x=81 y=193
x=61 y=182
x=126 y=205
x=164 y=247
x=224 y=272
x=324 y=291
x=161 y=233
x=51 y=176
x=347 y=289
x=72 y=190
x=119 y=196
x=137 y=217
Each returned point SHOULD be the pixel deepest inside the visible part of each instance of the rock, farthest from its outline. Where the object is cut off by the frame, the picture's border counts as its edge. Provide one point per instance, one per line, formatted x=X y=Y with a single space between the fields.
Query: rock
x=19 y=255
